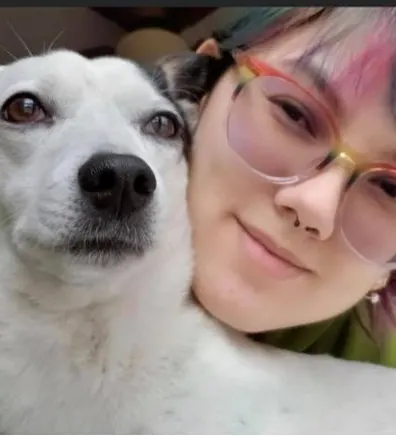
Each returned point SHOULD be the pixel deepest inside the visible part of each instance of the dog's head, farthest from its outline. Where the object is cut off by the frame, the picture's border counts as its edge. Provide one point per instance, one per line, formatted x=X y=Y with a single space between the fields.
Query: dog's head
x=93 y=166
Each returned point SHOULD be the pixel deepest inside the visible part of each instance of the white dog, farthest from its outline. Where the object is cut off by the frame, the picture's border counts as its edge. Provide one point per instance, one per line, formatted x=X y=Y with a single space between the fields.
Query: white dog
x=97 y=330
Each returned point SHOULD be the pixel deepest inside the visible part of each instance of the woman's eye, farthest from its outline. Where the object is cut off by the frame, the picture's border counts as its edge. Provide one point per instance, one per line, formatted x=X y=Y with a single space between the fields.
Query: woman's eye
x=386 y=185
x=164 y=124
x=296 y=115
x=23 y=109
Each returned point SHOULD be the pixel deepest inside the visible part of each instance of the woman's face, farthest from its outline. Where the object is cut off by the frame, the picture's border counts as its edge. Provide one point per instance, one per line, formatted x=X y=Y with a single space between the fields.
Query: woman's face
x=237 y=279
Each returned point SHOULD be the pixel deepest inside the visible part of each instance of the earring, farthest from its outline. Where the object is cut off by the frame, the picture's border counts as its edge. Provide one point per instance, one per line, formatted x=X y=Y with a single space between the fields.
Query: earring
x=373 y=296
x=296 y=223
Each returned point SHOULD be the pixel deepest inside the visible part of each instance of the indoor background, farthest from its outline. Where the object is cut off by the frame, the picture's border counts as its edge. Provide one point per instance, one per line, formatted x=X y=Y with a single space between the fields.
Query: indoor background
x=138 y=33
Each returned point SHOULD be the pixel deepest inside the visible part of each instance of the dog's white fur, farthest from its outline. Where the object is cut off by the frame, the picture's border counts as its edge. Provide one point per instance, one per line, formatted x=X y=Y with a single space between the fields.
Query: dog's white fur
x=120 y=348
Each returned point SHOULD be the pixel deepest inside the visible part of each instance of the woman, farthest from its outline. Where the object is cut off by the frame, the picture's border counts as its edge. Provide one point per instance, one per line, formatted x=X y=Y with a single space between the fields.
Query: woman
x=293 y=182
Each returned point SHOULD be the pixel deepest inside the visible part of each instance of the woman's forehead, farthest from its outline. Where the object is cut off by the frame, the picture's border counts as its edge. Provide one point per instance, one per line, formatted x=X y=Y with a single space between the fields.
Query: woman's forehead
x=356 y=67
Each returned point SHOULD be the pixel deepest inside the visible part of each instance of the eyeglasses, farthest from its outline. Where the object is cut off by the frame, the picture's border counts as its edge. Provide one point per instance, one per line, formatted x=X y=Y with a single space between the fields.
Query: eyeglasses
x=286 y=135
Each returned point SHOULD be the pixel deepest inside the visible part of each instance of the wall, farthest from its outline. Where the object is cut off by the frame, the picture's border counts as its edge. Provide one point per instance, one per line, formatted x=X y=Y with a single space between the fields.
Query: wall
x=204 y=28
x=82 y=29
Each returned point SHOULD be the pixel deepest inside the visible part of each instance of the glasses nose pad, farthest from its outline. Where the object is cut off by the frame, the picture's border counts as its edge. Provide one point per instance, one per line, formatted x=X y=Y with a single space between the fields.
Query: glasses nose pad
x=347 y=161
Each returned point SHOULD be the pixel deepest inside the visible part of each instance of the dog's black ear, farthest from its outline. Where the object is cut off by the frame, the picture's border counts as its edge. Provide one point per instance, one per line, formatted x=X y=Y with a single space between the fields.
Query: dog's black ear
x=186 y=78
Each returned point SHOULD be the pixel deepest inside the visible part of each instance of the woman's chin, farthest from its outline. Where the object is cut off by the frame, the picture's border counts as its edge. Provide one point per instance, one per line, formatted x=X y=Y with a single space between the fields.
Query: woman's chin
x=236 y=298
x=226 y=297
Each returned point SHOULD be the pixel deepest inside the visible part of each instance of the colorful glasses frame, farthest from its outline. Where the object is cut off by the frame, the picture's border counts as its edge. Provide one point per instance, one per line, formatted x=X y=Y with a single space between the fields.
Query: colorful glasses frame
x=251 y=68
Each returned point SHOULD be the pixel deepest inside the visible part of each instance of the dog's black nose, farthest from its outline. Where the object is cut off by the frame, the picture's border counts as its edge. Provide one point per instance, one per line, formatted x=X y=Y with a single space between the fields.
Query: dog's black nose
x=120 y=184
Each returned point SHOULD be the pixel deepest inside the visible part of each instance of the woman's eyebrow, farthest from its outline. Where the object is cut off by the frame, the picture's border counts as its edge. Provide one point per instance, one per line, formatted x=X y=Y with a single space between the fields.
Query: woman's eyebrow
x=366 y=72
x=318 y=77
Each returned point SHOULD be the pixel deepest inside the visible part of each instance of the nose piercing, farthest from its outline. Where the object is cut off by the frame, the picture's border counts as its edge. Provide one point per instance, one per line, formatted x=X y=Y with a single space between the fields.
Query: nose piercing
x=297 y=224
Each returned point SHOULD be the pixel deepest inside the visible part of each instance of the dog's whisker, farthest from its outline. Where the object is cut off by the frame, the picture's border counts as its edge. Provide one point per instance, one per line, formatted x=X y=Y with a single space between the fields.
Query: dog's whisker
x=9 y=53
x=21 y=40
x=57 y=37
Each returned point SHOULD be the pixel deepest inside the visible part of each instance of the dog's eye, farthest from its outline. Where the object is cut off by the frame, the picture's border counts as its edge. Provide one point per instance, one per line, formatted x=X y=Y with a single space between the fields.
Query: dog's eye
x=23 y=109
x=163 y=124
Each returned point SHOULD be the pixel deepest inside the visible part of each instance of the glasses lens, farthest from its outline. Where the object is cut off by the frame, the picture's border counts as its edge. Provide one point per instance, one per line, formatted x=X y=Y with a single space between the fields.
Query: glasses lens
x=278 y=129
x=369 y=217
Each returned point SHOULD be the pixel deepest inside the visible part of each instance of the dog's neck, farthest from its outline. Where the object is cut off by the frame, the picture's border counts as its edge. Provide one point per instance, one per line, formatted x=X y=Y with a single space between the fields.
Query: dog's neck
x=151 y=302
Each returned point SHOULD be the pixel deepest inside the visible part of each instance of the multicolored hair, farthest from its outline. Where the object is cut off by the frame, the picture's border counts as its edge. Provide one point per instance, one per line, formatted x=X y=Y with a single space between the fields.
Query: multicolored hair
x=255 y=25
x=367 y=325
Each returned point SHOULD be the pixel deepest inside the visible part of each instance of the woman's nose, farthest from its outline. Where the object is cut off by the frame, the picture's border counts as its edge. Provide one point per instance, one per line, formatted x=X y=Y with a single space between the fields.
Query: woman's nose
x=315 y=202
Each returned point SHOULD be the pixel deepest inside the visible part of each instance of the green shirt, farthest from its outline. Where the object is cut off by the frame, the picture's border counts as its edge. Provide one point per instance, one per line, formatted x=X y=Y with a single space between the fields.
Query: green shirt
x=344 y=336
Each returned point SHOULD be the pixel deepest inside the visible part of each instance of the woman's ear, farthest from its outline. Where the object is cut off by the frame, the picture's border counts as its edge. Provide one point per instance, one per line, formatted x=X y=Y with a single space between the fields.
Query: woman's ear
x=209 y=47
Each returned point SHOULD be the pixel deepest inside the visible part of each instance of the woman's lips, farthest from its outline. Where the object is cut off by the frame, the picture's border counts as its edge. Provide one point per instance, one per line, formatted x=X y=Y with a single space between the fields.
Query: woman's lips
x=278 y=262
